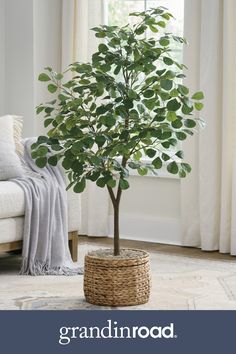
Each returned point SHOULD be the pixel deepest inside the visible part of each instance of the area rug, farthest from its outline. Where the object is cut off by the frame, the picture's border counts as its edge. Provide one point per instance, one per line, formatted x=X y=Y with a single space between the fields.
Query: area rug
x=179 y=282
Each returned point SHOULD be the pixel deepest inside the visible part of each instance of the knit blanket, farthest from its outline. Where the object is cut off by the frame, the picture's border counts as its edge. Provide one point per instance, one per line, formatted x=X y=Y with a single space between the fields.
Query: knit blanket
x=45 y=236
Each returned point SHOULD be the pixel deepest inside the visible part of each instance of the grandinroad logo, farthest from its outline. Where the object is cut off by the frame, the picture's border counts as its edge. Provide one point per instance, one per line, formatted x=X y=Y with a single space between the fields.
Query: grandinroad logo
x=112 y=330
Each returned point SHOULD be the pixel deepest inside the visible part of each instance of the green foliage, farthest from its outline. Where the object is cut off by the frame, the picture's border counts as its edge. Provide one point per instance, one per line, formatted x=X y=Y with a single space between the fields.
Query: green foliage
x=127 y=104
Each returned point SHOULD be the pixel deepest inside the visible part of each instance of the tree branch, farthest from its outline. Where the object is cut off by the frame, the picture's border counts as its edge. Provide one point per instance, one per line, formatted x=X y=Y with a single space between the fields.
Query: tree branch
x=112 y=195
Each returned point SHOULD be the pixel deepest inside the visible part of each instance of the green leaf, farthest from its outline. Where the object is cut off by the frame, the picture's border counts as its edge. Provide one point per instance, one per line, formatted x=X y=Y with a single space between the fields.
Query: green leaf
x=168 y=61
x=151 y=152
x=117 y=69
x=180 y=135
x=166 y=84
x=142 y=171
x=66 y=163
x=173 y=168
x=170 y=74
x=42 y=151
x=59 y=76
x=137 y=155
x=186 y=109
x=177 y=124
x=133 y=165
x=56 y=147
x=80 y=186
x=164 y=42
x=165 y=157
x=141 y=109
x=140 y=29
x=34 y=154
x=62 y=97
x=132 y=94
x=186 y=167
x=96 y=161
x=148 y=93
x=171 y=116
x=182 y=173
x=153 y=29
x=166 y=135
x=41 y=162
x=161 y=24
x=93 y=176
x=47 y=122
x=100 y=34
x=101 y=109
x=49 y=110
x=198 y=96
x=102 y=48
x=160 y=72
x=150 y=104
x=183 y=90
x=157 y=163
x=84 y=82
x=53 y=160
x=124 y=184
x=39 y=109
x=173 y=105
x=110 y=121
x=189 y=123
x=77 y=167
x=174 y=93
x=180 y=154
x=52 y=88
x=42 y=139
x=198 y=105
x=111 y=183
x=105 y=68
x=44 y=77
x=173 y=142
x=100 y=140
x=76 y=147
x=101 y=182
x=128 y=103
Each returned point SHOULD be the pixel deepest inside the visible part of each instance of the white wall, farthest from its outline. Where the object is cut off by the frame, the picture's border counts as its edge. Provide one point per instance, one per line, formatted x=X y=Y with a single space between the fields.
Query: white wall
x=32 y=41
x=19 y=69
x=2 y=56
x=150 y=210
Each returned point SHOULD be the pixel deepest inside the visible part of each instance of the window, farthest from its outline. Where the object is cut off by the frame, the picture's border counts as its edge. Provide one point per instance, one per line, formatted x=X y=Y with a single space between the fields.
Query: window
x=118 y=14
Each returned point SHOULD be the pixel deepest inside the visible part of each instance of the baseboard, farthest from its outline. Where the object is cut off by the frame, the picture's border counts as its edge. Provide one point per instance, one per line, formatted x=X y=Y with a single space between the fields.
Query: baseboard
x=150 y=229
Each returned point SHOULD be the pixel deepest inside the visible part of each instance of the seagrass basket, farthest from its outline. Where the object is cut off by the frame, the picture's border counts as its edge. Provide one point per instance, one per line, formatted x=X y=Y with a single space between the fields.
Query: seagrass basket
x=117 y=281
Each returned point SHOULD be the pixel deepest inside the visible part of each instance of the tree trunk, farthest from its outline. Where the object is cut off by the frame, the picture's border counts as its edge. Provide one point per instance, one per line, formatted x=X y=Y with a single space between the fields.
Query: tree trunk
x=116 y=229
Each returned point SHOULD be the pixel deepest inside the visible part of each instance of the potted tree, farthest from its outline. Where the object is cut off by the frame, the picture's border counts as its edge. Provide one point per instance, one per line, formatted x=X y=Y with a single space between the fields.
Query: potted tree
x=127 y=104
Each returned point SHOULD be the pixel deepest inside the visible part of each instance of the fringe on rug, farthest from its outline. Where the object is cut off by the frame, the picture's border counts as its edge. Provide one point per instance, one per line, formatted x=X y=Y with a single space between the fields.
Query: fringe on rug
x=36 y=267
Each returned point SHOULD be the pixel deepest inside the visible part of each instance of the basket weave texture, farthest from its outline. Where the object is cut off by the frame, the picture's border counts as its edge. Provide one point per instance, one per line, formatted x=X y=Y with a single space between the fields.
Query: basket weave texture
x=117 y=281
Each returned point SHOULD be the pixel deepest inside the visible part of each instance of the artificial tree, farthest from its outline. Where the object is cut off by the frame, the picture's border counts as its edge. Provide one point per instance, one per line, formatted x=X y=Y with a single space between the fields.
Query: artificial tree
x=127 y=104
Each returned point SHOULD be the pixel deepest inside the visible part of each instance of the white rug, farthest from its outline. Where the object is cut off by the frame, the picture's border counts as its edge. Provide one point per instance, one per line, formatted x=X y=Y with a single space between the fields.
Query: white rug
x=178 y=283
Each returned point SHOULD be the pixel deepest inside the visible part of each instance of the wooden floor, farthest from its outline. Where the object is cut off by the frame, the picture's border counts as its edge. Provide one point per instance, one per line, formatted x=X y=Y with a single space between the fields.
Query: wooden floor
x=151 y=246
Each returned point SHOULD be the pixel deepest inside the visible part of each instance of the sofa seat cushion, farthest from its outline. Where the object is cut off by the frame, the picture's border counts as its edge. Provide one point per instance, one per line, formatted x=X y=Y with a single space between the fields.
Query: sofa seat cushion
x=12 y=204
x=12 y=200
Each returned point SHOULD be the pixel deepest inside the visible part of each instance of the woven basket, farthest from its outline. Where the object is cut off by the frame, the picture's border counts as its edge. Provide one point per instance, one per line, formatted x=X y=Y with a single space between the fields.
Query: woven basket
x=117 y=281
